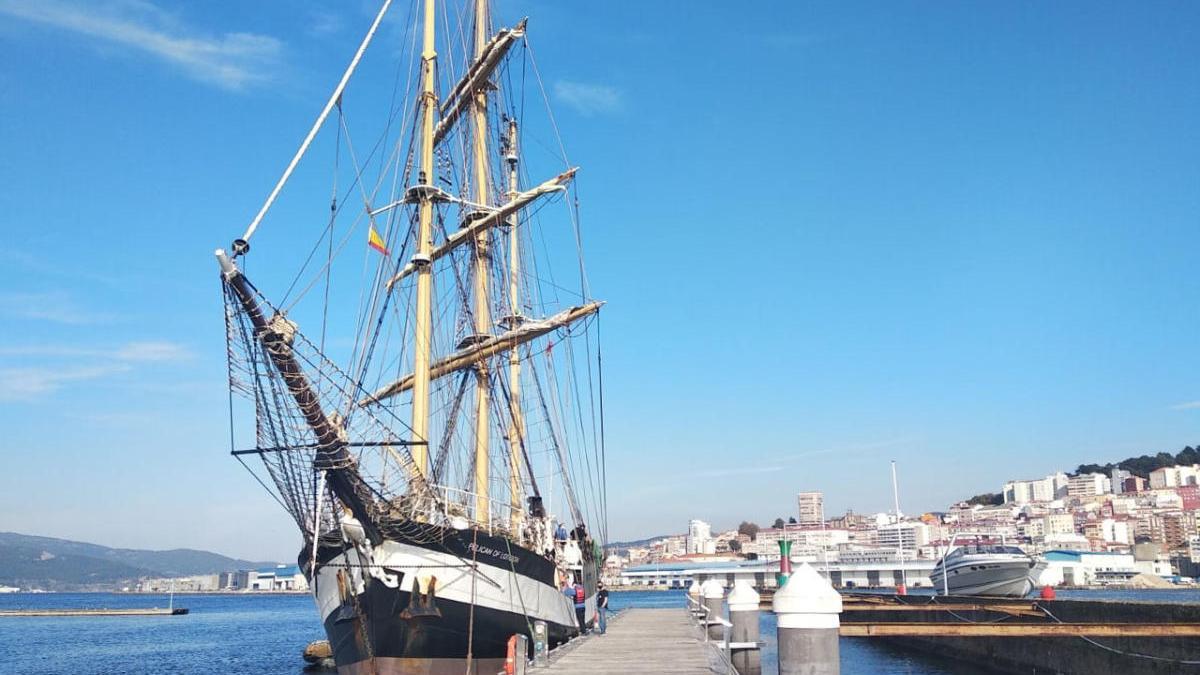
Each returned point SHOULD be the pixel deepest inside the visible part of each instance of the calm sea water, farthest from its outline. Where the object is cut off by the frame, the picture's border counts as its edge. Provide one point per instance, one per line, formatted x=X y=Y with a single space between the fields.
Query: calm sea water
x=233 y=634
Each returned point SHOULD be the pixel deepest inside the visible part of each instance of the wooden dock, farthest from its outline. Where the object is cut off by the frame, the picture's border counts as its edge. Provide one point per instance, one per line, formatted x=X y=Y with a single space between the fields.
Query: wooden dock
x=641 y=641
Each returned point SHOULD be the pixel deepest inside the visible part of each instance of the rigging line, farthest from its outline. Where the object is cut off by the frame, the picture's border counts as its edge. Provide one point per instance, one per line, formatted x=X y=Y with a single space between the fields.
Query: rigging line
x=451 y=426
x=370 y=156
x=520 y=597
x=260 y=406
x=364 y=314
x=564 y=464
x=387 y=129
x=1114 y=650
x=603 y=446
x=264 y=485
x=576 y=406
x=333 y=200
x=471 y=620
x=512 y=412
x=333 y=98
x=546 y=97
x=591 y=389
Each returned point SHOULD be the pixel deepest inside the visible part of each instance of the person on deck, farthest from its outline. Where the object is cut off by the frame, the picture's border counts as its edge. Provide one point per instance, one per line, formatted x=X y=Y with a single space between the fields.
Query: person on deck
x=580 y=606
x=602 y=607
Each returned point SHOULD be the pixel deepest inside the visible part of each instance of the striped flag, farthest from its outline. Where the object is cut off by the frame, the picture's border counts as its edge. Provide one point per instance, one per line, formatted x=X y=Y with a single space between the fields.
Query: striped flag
x=376 y=242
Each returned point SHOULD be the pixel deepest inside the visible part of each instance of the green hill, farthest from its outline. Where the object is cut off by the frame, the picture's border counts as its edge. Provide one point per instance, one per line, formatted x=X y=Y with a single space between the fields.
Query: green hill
x=1144 y=464
x=28 y=561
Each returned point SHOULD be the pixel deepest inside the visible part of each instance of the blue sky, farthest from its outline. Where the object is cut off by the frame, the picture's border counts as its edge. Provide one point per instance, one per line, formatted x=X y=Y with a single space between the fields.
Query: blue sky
x=959 y=236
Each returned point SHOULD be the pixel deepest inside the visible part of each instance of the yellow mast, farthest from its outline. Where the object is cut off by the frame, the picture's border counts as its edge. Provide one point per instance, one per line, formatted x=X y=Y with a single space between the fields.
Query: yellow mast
x=483 y=313
x=423 y=324
x=516 y=427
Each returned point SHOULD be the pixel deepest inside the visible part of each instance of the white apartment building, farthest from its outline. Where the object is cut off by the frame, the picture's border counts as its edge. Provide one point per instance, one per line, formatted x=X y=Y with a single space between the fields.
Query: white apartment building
x=906 y=535
x=1116 y=531
x=1045 y=489
x=699 y=537
x=1058 y=523
x=1089 y=485
x=808 y=539
x=812 y=508
x=1174 y=476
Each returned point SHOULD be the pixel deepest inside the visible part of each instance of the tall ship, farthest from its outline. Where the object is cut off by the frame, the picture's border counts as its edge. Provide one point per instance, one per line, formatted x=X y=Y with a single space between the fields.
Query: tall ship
x=415 y=369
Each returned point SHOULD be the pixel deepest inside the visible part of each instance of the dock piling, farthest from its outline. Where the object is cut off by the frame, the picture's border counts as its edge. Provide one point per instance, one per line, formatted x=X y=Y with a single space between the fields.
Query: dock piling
x=808 y=610
x=743 y=613
x=713 y=594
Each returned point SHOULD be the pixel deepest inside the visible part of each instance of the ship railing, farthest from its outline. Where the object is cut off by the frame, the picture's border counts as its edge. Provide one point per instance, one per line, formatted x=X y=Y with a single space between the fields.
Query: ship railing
x=705 y=618
x=460 y=503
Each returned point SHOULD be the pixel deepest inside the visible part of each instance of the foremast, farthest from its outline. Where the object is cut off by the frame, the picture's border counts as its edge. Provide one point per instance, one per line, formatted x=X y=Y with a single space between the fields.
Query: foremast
x=482 y=277
x=423 y=322
x=516 y=422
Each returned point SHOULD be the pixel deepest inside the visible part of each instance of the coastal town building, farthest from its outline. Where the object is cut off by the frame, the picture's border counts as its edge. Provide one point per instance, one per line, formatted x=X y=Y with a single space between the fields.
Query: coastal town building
x=1089 y=485
x=699 y=538
x=1045 y=489
x=1174 y=476
x=811 y=506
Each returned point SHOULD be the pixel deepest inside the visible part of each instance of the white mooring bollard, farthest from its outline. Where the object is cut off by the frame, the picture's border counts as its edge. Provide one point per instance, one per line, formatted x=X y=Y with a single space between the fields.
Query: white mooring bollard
x=743 y=614
x=808 y=609
x=713 y=594
x=695 y=600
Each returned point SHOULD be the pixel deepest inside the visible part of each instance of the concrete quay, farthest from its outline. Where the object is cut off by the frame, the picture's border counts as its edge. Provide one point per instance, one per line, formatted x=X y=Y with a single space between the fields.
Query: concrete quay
x=640 y=641
x=1035 y=637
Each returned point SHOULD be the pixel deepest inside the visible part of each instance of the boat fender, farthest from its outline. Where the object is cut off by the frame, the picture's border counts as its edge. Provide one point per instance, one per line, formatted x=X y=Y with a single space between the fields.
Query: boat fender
x=510 y=658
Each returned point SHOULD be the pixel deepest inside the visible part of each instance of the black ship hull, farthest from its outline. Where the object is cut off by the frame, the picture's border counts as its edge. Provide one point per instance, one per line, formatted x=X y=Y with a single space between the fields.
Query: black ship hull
x=422 y=606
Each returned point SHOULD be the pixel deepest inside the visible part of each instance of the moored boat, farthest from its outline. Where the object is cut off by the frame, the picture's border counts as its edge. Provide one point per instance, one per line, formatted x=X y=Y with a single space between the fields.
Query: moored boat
x=983 y=568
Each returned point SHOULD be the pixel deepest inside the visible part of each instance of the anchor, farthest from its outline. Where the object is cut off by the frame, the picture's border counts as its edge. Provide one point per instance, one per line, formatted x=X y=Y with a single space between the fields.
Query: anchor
x=421 y=603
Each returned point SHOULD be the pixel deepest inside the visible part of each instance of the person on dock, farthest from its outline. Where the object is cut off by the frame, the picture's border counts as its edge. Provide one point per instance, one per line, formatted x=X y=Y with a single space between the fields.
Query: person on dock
x=580 y=596
x=602 y=607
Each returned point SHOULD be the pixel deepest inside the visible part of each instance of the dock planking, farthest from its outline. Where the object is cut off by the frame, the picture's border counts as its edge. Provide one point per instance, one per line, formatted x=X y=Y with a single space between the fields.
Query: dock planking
x=641 y=640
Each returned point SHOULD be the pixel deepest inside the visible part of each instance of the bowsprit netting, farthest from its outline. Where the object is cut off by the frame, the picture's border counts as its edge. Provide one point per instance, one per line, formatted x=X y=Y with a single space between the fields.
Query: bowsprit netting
x=377 y=442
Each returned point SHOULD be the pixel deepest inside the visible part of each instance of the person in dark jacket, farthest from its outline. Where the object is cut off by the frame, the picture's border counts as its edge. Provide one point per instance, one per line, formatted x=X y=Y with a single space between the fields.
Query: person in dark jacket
x=602 y=607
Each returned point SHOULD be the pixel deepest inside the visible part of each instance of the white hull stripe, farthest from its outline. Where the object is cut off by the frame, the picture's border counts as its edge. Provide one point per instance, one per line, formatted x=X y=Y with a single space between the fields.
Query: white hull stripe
x=487 y=586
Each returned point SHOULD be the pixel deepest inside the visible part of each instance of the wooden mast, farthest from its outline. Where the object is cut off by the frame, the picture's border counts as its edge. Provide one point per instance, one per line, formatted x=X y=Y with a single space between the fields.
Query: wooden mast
x=482 y=277
x=516 y=425
x=423 y=323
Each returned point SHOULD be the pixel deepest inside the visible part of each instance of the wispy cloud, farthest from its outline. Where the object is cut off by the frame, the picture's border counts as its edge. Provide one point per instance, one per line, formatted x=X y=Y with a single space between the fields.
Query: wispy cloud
x=41 y=266
x=132 y=352
x=52 y=306
x=228 y=60
x=589 y=98
x=782 y=462
x=738 y=471
x=20 y=384
x=322 y=24
x=60 y=366
x=1189 y=405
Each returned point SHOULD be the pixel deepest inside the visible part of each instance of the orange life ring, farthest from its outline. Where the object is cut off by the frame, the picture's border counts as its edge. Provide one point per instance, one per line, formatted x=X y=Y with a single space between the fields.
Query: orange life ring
x=510 y=659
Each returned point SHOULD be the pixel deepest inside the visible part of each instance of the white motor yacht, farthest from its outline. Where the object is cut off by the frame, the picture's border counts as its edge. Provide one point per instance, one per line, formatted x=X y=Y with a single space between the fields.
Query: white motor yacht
x=984 y=569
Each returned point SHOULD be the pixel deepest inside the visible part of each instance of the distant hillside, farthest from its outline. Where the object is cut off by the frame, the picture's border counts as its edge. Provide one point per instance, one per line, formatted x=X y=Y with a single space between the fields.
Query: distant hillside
x=636 y=543
x=28 y=561
x=1144 y=464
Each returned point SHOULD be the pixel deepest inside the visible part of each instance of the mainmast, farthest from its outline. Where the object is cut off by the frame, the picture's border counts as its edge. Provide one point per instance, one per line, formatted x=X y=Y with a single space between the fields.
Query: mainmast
x=516 y=426
x=423 y=323
x=483 y=314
